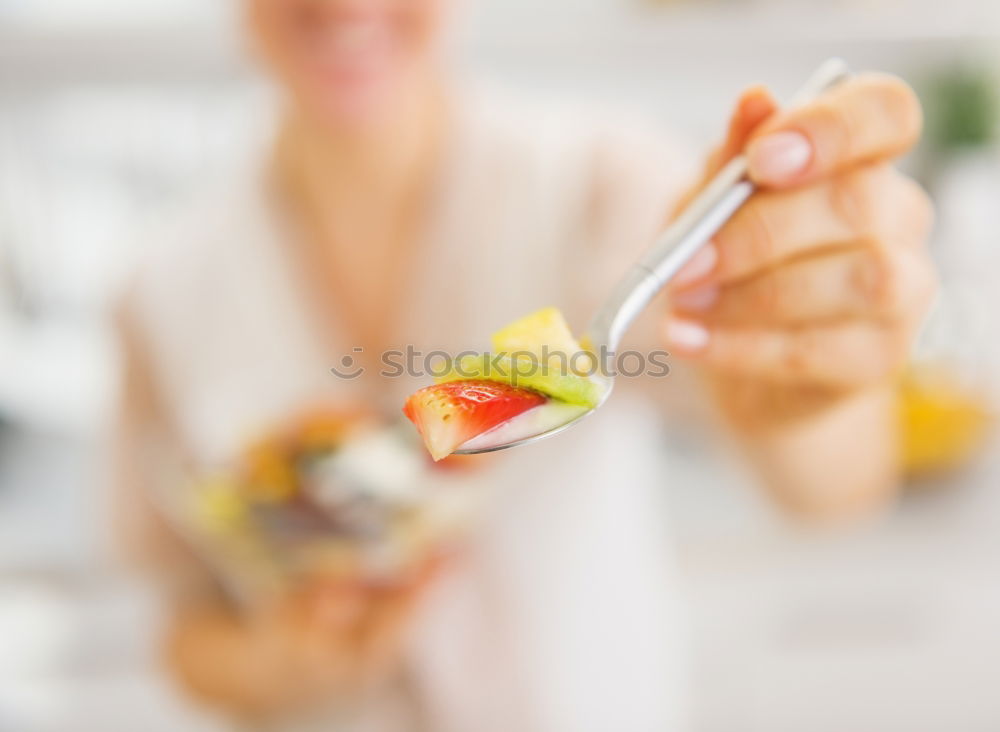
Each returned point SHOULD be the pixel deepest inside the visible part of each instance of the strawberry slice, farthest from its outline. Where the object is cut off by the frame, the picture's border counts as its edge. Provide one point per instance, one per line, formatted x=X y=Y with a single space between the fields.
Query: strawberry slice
x=448 y=415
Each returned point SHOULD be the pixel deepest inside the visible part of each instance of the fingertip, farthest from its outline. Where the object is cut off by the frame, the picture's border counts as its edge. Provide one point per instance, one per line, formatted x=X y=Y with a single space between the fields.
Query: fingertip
x=753 y=107
x=756 y=104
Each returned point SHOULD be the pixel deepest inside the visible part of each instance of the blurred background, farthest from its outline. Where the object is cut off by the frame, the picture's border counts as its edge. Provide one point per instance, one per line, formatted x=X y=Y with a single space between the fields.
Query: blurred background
x=111 y=111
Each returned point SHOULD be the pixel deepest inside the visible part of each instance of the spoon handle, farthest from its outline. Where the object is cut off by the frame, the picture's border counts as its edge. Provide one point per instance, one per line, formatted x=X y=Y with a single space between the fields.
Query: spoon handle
x=697 y=223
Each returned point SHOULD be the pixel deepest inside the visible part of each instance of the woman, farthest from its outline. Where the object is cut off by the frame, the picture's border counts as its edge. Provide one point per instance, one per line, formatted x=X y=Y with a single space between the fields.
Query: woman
x=393 y=210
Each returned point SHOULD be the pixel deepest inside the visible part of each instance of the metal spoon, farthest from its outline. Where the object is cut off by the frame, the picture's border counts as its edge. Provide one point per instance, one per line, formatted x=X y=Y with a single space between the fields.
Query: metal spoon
x=698 y=223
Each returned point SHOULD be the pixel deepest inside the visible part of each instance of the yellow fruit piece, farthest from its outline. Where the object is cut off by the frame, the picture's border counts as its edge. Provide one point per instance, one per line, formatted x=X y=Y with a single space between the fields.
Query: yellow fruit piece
x=942 y=423
x=543 y=334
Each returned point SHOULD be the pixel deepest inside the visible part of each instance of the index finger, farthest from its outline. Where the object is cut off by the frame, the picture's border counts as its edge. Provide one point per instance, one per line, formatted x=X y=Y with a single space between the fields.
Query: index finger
x=868 y=118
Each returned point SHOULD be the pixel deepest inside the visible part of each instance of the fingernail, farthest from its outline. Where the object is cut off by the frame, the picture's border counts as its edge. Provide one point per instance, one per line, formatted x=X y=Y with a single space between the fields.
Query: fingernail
x=700 y=298
x=698 y=266
x=777 y=158
x=687 y=336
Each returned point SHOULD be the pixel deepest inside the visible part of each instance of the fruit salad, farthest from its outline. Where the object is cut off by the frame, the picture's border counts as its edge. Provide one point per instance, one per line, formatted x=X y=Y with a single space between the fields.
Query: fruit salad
x=533 y=381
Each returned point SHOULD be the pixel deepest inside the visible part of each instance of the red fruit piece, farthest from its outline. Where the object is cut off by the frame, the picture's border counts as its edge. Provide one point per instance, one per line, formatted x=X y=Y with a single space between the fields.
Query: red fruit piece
x=448 y=415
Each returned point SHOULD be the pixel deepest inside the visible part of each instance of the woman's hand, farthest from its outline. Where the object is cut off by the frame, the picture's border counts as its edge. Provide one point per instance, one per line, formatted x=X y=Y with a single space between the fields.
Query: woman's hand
x=327 y=641
x=817 y=285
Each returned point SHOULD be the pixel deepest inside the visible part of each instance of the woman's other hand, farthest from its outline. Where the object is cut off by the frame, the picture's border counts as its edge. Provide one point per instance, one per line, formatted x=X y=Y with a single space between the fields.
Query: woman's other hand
x=321 y=644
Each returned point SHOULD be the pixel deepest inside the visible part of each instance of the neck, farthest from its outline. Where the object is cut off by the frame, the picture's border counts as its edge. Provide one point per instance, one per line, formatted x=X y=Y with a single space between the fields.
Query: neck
x=322 y=164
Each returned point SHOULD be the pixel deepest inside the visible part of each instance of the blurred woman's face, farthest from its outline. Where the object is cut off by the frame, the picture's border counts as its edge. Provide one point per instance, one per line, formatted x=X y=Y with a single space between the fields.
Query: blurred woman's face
x=347 y=60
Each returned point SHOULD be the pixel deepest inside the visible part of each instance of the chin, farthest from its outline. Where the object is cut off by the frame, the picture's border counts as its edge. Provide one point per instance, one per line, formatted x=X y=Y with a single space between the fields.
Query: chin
x=355 y=108
x=352 y=97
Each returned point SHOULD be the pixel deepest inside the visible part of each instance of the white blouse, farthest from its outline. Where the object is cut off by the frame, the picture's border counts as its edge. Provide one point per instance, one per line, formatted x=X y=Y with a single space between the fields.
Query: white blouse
x=562 y=615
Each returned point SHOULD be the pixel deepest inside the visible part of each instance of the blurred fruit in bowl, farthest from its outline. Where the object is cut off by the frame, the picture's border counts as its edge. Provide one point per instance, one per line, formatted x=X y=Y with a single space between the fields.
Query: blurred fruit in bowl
x=328 y=493
x=269 y=475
